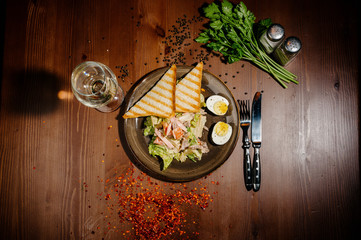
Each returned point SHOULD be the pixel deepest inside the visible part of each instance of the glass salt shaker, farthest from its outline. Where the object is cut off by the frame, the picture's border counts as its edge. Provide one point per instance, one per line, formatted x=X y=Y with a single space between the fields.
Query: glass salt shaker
x=287 y=50
x=272 y=37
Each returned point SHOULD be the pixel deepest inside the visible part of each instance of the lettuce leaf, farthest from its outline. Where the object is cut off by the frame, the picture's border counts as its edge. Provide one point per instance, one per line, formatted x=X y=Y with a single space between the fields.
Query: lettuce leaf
x=165 y=154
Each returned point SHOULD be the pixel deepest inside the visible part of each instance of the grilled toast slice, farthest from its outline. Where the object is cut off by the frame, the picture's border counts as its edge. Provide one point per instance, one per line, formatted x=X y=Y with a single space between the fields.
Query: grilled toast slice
x=188 y=91
x=159 y=101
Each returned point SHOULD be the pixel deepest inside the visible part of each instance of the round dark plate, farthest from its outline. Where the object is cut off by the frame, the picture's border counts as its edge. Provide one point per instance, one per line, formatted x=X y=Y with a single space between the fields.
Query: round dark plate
x=189 y=170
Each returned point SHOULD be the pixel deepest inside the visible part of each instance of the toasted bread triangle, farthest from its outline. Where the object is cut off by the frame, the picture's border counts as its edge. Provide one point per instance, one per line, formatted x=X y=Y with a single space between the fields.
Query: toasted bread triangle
x=159 y=101
x=188 y=91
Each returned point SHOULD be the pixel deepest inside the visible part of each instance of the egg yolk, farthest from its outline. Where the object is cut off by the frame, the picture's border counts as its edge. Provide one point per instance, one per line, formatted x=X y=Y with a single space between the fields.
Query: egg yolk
x=220 y=107
x=221 y=128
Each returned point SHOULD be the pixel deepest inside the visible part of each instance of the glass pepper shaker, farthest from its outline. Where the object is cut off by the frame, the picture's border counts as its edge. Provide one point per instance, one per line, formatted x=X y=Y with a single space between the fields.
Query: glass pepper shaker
x=272 y=37
x=287 y=50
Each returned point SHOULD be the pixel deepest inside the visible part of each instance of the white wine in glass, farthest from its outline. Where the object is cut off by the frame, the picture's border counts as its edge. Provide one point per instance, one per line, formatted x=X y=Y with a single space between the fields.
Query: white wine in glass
x=96 y=86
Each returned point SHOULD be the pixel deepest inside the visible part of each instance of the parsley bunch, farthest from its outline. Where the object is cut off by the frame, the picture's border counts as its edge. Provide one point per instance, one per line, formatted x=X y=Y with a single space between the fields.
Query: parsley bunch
x=232 y=31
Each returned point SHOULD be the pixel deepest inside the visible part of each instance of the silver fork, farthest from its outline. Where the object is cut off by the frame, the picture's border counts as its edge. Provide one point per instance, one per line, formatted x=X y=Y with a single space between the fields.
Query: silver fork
x=245 y=116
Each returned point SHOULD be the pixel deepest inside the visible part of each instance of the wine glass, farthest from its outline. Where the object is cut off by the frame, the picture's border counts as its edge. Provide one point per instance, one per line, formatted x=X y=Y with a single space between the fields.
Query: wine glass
x=96 y=86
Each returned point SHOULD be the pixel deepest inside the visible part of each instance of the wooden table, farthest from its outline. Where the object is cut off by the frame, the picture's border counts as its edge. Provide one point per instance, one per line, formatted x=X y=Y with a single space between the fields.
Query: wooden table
x=59 y=158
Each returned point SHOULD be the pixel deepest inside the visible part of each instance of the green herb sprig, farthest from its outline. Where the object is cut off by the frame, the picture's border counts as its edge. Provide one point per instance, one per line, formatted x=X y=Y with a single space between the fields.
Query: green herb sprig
x=232 y=31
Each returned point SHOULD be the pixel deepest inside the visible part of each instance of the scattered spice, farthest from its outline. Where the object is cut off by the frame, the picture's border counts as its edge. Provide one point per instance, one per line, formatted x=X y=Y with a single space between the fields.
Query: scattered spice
x=124 y=71
x=140 y=208
x=84 y=187
x=179 y=41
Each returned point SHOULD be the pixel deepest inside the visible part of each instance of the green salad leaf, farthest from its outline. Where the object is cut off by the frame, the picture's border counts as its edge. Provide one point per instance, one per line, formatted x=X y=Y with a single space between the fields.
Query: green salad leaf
x=149 y=128
x=161 y=151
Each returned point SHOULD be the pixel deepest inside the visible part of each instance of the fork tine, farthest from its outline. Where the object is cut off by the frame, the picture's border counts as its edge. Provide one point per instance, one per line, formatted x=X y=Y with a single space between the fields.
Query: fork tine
x=244 y=109
x=240 y=103
x=248 y=115
x=241 y=109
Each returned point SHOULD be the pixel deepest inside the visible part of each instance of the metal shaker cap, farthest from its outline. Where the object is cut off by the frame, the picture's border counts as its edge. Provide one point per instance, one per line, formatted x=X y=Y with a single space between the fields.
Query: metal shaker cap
x=275 y=32
x=292 y=44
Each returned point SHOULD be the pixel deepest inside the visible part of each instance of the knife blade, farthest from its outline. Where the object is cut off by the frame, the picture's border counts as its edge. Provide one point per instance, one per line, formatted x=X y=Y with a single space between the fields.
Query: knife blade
x=256 y=140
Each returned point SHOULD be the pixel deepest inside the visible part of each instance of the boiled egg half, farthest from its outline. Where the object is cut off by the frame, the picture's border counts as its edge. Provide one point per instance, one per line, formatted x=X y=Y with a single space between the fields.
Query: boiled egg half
x=217 y=104
x=221 y=133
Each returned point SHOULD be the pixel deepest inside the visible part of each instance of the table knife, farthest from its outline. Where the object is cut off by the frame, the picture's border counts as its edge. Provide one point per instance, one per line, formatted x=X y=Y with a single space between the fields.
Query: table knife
x=256 y=140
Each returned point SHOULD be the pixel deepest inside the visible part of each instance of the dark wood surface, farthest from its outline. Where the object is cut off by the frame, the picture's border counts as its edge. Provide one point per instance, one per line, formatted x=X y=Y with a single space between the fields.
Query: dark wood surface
x=57 y=155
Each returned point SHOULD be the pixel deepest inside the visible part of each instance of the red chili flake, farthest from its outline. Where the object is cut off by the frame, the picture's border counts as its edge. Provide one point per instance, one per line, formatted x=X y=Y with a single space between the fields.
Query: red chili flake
x=34 y=168
x=140 y=208
x=107 y=197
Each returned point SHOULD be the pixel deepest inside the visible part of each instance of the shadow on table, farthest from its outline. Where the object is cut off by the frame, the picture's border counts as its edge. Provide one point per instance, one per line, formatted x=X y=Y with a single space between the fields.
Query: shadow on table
x=31 y=92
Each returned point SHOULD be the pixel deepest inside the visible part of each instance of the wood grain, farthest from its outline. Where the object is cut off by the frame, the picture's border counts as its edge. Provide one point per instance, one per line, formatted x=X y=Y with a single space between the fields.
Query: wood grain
x=56 y=154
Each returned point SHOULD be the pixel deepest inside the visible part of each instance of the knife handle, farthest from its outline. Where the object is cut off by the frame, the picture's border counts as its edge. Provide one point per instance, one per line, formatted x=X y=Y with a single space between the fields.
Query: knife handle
x=247 y=172
x=256 y=168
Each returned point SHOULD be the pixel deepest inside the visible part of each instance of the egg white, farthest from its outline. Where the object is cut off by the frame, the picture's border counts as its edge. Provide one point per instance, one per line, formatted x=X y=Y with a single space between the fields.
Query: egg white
x=221 y=140
x=212 y=100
